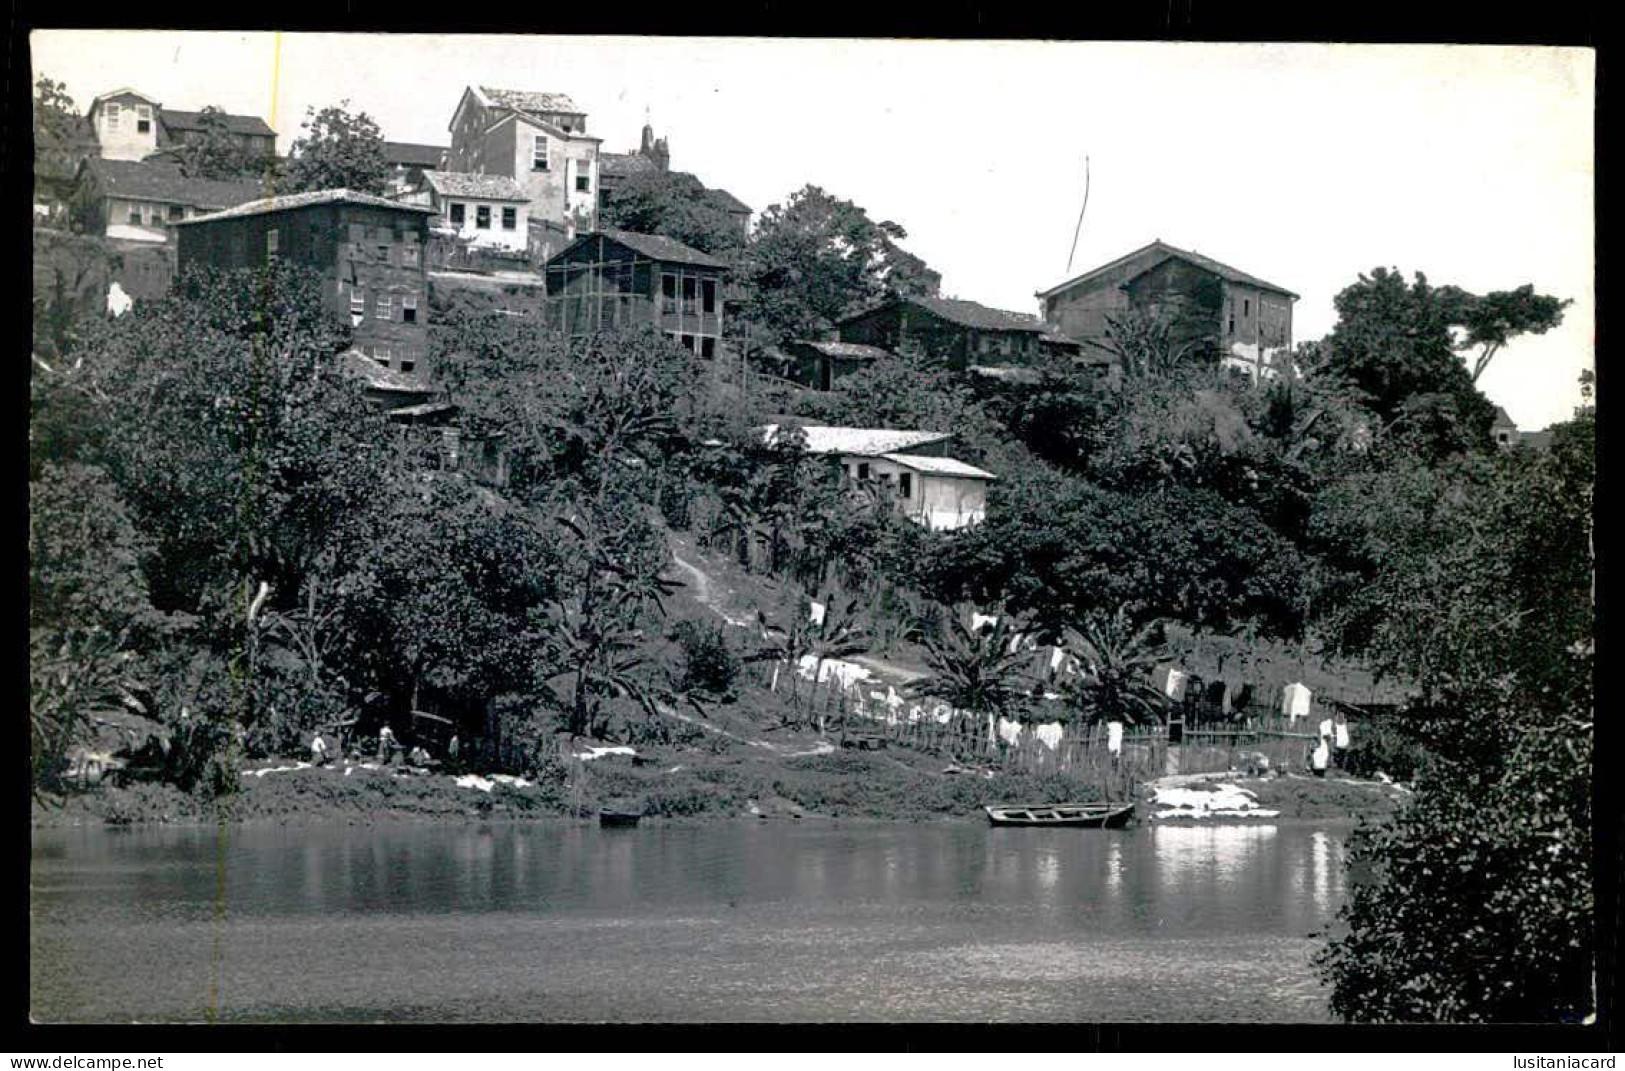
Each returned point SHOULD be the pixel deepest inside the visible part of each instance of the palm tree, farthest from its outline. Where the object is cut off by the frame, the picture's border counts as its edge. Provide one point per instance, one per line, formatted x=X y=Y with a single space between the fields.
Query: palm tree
x=841 y=633
x=1115 y=681
x=980 y=671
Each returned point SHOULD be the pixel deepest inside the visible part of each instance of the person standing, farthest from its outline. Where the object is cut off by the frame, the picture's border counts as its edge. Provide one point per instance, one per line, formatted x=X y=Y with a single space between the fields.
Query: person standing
x=1340 y=739
x=1321 y=757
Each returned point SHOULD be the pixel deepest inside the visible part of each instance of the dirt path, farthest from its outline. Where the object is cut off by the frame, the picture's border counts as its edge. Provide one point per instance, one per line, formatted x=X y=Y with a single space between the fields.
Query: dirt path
x=823 y=747
x=701 y=585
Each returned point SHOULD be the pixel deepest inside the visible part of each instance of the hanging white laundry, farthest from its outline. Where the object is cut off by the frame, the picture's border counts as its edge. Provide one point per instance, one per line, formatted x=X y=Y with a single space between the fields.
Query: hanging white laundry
x=978 y=621
x=1326 y=727
x=815 y=613
x=992 y=732
x=1295 y=699
x=1342 y=740
x=1049 y=734
x=1010 y=731
x=943 y=713
x=1322 y=756
x=118 y=302
x=1114 y=737
x=1057 y=655
x=1176 y=684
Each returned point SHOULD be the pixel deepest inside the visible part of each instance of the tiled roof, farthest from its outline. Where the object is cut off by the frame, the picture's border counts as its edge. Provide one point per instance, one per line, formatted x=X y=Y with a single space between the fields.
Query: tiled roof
x=377 y=377
x=658 y=247
x=484 y=187
x=145 y=181
x=1503 y=420
x=969 y=314
x=1536 y=440
x=851 y=350
x=521 y=100
x=1159 y=251
x=940 y=466
x=865 y=442
x=302 y=200
x=625 y=163
x=235 y=124
x=413 y=155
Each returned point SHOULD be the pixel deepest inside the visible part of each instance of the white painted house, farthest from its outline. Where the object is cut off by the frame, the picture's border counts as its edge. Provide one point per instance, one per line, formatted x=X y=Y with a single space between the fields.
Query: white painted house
x=911 y=467
x=486 y=211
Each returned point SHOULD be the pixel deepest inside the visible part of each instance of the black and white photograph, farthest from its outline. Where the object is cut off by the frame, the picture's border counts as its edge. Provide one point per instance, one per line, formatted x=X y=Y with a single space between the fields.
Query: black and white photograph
x=564 y=529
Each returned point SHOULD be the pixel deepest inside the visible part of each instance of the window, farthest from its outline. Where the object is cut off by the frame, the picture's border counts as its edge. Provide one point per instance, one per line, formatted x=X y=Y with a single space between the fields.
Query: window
x=1232 y=323
x=668 y=293
x=384 y=308
x=457 y=213
x=409 y=309
x=482 y=217
x=112 y=116
x=905 y=484
x=708 y=296
x=176 y=212
x=538 y=153
x=407 y=365
x=409 y=256
x=381 y=354
x=690 y=289
x=1246 y=307
x=583 y=175
x=510 y=218
x=708 y=346
x=272 y=241
x=863 y=470
x=688 y=343
x=383 y=254
x=358 y=306
x=143 y=118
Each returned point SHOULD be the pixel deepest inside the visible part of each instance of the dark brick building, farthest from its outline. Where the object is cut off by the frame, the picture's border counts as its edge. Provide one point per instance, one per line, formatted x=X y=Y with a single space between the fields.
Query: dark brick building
x=1248 y=319
x=370 y=253
x=611 y=278
x=962 y=333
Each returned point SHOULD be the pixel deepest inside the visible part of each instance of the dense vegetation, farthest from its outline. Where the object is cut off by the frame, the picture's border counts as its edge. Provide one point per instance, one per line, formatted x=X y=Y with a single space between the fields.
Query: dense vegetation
x=228 y=540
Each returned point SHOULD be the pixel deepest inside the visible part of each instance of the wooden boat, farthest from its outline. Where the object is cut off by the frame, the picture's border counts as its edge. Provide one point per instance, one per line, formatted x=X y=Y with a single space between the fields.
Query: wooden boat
x=1081 y=815
x=618 y=818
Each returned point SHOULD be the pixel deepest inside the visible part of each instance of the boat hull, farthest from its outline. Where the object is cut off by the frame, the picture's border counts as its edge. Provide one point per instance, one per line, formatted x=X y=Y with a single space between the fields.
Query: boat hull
x=618 y=819
x=1075 y=815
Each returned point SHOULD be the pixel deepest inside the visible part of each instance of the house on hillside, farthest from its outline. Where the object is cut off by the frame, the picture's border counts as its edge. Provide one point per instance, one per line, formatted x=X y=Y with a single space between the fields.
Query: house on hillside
x=369 y=251
x=408 y=162
x=910 y=468
x=129 y=125
x=616 y=278
x=540 y=141
x=142 y=200
x=1504 y=430
x=959 y=332
x=820 y=365
x=483 y=211
x=1249 y=319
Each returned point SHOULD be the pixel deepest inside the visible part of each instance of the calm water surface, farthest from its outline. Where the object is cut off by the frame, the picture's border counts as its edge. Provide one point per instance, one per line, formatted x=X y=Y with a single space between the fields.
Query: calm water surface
x=731 y=922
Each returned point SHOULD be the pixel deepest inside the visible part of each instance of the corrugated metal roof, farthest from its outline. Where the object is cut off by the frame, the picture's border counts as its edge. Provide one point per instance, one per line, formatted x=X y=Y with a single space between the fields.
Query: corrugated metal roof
x=303 y=200
x=485 y=187
x=867 y=442
x=940 y=466
x=235 y=124
x=852 y=350
x=1159 y=251
x=143 y=180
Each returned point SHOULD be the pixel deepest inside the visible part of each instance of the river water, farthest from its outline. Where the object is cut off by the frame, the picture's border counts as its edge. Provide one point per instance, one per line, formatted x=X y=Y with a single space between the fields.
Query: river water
x=732 y=922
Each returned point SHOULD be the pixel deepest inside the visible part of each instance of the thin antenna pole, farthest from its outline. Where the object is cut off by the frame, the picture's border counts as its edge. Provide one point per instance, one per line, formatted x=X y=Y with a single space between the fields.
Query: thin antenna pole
x=1079 y=228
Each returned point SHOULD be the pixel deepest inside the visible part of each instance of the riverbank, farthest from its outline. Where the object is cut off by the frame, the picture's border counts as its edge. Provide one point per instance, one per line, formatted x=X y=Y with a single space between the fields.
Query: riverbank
x=697 y=784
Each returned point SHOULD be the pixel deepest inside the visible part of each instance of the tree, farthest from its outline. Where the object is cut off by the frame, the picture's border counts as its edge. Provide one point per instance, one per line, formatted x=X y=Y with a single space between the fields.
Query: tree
x=1392 y=341
x=1117 y=658
x=817 y=258
x=62 y=139
x=1494 y=319
x=676 y=205
x=979 y=672
x=338 y=148
x=1148 y=346
x=212 y=152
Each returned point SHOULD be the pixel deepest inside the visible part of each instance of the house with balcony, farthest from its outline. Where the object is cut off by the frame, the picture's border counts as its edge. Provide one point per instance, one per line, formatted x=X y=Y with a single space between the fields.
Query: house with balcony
x=960 y=333
x=368 y=250
x=618 y=278
x=910 y=469
x=1248 y=320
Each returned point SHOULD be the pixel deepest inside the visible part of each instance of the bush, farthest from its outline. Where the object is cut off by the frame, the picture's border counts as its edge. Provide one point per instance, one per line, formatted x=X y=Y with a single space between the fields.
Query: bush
x=709 y=666
x=1385 y=746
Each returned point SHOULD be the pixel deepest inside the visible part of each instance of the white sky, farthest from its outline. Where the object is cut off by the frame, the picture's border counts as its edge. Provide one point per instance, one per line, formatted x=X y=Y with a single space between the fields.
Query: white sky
x=1303 y=164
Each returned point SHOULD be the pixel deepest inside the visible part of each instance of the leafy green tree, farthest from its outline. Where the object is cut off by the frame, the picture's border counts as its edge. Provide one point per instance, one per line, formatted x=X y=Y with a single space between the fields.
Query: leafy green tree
x=1117 y=657
x=817 y=258
x=338 y=148
x=62 y=140
x=676 y=205
x=978 y=672
x=213 y=153
x=1492 y=320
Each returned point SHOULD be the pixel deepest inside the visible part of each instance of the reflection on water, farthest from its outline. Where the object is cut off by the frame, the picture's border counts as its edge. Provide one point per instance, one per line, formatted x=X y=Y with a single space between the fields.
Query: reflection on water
x=737 y=921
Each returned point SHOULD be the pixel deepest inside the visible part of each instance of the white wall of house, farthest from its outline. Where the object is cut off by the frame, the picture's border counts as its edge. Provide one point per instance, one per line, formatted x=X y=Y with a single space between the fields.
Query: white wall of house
x=118 y=122
x=938 y=502
x=143 y=221
x=497 y=233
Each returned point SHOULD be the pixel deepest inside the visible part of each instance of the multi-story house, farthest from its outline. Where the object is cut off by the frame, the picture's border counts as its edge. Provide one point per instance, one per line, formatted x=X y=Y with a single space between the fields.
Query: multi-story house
x=368 y=250
x=141 y=201
x=129 y=125
x=409 y=162
x=1248 y=319
x=540 y=141
x=960 y=333
x=653 y=156
x=614 y=278
x=482 y=211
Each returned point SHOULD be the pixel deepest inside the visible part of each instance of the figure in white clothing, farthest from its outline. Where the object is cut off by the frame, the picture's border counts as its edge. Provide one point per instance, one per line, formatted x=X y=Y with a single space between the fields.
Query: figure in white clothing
x=318 y=750
x=1114 y=740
